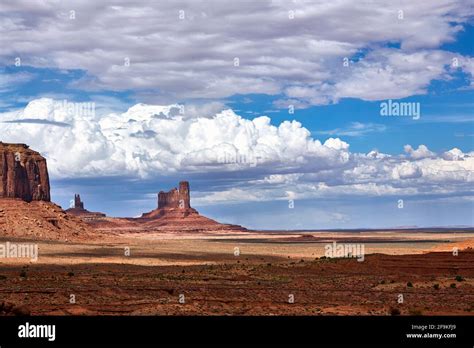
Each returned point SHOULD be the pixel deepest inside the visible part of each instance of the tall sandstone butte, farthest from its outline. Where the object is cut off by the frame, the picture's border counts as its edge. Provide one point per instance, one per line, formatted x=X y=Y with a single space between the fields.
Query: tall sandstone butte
x=174 y=213
x=23 y=173
x=176 y=198
x=174 y=203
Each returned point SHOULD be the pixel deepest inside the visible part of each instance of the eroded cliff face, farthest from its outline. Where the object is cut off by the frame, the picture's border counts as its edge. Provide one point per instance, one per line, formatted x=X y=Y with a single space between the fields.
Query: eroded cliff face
x=23 y=173
x=176 y=198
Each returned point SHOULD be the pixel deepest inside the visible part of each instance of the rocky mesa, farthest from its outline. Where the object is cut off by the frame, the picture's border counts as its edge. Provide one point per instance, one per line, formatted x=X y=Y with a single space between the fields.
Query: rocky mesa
x=26 y=210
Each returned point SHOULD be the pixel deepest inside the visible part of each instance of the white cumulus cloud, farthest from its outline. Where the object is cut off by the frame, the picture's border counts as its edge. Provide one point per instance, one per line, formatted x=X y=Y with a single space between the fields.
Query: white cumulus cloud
x=270 y=160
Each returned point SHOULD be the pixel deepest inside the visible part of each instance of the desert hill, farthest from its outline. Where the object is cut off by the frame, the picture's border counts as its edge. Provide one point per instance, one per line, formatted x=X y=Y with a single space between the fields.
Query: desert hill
x=40 y=220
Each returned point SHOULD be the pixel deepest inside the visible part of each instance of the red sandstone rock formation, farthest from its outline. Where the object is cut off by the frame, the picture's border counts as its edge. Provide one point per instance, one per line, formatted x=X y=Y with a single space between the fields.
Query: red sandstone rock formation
x=41 y=220
x=174 y=213
x=79 y=210
x=25 y=207
x=174 y=204
x=176 y=198
x=78 y=204
x=23 y=173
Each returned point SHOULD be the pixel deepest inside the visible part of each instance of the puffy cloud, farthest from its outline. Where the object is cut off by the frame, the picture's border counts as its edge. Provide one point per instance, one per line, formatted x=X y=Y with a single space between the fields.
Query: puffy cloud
x=421 y=152
x=271 y=162
x=147 y=139
x=396 y=74
x=336 y=144
x=280 y=178
x=406 y=170
x=188 y=49
x=454 y=155
x=80 y=147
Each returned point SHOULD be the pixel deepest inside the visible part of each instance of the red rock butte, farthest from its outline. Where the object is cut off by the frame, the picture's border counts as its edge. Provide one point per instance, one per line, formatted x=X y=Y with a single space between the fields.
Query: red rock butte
x=26 y=210
x=23 y=173
x=175 y=203
x=78 y=210
x=176 y=198
x=175 y=213
x=25 y=193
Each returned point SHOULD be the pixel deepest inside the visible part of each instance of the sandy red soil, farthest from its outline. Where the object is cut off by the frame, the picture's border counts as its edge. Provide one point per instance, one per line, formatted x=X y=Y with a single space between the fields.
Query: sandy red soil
x=223 y=284
x=201 y=269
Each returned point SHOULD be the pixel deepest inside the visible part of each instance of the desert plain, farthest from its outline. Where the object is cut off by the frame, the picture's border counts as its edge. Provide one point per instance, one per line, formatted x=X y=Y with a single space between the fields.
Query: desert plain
x=126 y=272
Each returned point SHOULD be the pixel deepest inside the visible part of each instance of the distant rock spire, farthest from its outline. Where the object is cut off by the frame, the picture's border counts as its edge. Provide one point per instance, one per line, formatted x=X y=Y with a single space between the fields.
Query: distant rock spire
x=79 y=210
x=78 y=204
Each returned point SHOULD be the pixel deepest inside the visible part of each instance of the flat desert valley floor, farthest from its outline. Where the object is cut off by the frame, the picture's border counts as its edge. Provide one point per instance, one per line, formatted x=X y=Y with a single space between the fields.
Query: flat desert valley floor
x=244 y=273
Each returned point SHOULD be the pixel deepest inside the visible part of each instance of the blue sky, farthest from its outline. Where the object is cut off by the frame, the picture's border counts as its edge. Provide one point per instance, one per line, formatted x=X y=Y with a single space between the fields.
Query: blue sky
x=163 y=60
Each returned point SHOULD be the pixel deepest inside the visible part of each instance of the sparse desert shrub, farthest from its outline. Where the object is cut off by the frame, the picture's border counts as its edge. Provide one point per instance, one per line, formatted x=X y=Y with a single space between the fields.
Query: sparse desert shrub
x=436 y=286
x=459 y=278
x=2 y=277
x=452 y=286
x=409 y=285
x=382 y=281
x=23 y=274
x=70 y=274
x=394 y=311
